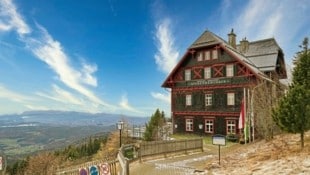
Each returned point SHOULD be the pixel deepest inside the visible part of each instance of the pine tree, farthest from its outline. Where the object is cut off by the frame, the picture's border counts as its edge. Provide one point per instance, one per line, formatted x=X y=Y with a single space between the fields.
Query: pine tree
x=154 y=125
x=293 y=111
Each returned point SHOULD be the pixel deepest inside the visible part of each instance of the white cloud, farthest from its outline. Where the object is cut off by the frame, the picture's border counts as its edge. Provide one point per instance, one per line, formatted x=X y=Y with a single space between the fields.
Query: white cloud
x=62 y=96
x=124 y=104
x=285 y=20
x=12 y=19
x=167 y=56
x=14 y=96
x=51 y=52
x=162 y=97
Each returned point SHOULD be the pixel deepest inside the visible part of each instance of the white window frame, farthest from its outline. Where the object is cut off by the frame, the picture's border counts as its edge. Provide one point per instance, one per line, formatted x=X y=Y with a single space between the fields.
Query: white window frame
x=207 y=55
x=188 y=99
x=188 y=74
x=207 y=72
x=214 y=54
x=208 y=99
x=209 y=126
x=229 y=70
x=231 y=126
x=230 y=99
x=199 y=56
x=189 y=124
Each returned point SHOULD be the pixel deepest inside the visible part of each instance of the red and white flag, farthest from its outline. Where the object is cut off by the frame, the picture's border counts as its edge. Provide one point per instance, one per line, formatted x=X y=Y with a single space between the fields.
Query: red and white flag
x=242 y=114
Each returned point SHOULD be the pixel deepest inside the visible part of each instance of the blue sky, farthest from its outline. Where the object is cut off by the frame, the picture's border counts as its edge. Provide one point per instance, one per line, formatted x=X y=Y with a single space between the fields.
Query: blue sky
x=112 y=56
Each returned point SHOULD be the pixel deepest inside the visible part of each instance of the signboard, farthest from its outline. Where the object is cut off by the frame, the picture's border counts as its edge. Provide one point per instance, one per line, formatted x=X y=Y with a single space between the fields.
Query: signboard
x=93 y=170
x=104 y=169
x=83 y=171
x=219 y=140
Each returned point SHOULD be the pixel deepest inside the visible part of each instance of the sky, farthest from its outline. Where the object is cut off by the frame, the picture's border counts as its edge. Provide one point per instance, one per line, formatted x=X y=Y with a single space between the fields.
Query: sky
x=112 y=56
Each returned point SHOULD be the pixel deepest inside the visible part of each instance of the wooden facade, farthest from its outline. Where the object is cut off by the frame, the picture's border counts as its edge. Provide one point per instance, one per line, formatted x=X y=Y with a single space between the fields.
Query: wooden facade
x=210 y=81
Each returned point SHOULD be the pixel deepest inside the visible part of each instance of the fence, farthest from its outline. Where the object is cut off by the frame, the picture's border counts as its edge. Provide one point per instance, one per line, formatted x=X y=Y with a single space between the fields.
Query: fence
x=172 y=146
x=129 y=153
x=103 y=166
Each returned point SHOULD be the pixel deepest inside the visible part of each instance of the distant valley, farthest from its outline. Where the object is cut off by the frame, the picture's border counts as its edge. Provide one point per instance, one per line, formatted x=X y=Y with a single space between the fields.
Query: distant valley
x=29 y=132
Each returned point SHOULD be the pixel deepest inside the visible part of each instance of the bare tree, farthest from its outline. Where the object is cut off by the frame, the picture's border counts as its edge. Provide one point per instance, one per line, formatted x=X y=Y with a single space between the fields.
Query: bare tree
x=265 y=96
x=44 y=163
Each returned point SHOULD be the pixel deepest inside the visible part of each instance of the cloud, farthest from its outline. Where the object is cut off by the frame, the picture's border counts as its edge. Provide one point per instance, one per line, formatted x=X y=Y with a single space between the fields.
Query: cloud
x=162 y=97
x=286 y=20
x=14 y=96
x=62 y=96
x=167 y=55
x=50 y=51
x=124 y=104
x=11 y=19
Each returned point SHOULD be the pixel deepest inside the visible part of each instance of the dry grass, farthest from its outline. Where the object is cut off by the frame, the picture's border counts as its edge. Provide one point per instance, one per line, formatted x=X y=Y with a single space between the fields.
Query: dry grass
x=282 y=155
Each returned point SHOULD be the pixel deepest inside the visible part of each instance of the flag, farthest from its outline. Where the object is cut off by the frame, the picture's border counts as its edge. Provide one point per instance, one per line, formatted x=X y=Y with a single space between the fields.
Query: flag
x=241 y=116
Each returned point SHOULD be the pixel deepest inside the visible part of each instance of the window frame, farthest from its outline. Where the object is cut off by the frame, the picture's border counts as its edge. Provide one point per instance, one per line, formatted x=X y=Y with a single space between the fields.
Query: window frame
x=207 y=73
x=215 y=54
x=208 y=99
x=188 y=99
x=189 y=124
x=231 y=126
x=230 y=99
x=207 y=55
x=188 y=74
x=209 y=125
x=199 y=56
x=229 y=70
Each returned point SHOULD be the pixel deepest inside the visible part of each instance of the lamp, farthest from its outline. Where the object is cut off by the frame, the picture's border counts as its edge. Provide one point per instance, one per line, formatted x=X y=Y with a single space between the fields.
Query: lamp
x=120 y=127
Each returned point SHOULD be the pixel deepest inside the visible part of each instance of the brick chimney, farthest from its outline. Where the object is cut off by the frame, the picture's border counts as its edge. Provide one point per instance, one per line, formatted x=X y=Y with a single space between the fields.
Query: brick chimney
x=244 y=45
x=232 y=39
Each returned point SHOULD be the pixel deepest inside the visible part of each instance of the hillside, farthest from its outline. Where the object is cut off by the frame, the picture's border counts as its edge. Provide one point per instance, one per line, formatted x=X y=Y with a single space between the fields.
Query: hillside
x=282 y=155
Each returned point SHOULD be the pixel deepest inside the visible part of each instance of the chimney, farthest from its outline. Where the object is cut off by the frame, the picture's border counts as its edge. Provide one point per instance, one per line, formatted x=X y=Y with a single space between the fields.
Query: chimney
x=232 y=39
x=244 y=45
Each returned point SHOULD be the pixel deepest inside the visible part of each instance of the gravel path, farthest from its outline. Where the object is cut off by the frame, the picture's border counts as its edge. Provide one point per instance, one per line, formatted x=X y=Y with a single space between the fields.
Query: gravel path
x=177 y=165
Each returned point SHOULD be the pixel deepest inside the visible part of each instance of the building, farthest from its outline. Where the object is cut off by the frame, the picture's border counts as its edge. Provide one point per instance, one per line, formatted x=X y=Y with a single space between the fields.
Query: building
x=214 y=76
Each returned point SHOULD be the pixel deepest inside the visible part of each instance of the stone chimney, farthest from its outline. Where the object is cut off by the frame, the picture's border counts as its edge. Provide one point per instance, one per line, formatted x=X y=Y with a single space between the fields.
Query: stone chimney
x=232 y=39
x=244 y=45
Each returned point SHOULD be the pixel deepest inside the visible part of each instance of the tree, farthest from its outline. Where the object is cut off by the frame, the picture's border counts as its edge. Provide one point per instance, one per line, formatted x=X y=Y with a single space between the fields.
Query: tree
x=293 y=111
x=153 y=127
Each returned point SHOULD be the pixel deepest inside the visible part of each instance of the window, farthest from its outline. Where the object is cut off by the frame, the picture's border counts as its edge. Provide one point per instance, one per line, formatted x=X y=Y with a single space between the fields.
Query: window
x=189 y=124
x=188 y=100
x=208 y=99
x=214 y=54
x=207 y=72
x=207 y=55
x=231 y=126
x=199 y=56
x=230 y=70
x=188 y=74
x=209 y=125
x=230 y=99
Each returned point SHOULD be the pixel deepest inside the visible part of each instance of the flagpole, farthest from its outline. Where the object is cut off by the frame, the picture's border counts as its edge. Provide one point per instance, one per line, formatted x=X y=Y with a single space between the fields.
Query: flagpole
x=245 y=120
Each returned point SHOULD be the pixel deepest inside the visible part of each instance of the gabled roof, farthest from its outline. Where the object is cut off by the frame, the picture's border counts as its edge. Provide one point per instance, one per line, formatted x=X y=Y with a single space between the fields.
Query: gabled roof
x=260 y=56
x=206 y=39
x=263 y=53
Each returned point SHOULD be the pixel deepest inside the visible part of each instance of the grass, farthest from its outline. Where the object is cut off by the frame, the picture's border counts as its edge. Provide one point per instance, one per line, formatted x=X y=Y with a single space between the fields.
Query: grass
x=207 y=141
